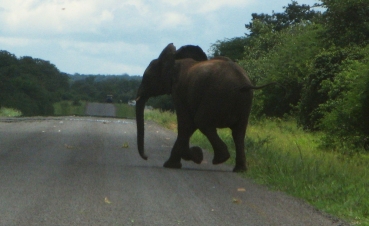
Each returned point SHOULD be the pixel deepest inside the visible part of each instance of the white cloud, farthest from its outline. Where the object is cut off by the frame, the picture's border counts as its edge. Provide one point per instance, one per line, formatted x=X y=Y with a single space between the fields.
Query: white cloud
x=84 y=36
x=5 y=41
x=215 y=5
x=58 y=17
x=172 y=20
x=77 y=16
x=104 y=48
x=206 y=6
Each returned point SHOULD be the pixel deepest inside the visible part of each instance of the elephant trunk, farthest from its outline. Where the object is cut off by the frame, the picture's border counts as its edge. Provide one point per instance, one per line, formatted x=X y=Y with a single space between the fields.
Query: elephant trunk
x=140 y=107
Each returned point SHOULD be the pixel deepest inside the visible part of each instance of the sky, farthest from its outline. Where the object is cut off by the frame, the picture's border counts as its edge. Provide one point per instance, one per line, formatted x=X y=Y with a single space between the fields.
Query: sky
x=120 y=36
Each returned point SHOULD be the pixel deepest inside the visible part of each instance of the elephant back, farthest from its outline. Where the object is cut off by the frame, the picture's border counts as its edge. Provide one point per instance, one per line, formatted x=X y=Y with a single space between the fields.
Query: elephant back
x=190 y=51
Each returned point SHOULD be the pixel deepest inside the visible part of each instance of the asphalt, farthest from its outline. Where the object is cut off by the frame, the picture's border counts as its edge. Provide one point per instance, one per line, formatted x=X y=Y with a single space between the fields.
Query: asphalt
x=86 y=171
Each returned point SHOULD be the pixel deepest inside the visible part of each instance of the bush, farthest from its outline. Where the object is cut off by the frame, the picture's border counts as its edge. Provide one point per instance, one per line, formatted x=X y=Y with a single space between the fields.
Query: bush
x=324 y=68
x=287 y=62
x=345 y=114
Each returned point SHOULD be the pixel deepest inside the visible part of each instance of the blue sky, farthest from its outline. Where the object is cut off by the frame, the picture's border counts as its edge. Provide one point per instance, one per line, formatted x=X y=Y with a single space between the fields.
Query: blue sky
x=120 y=36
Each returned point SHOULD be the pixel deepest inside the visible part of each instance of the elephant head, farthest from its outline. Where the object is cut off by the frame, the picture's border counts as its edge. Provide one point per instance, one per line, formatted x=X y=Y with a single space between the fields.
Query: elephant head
x=158 y=80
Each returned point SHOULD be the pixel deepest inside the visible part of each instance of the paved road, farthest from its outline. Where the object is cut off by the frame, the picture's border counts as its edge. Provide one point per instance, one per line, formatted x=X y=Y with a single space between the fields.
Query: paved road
x=86 y=171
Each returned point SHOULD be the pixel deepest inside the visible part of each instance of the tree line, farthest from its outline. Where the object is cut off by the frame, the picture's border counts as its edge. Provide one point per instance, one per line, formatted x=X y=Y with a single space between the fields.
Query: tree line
x=33 y=85
x=95 y=88
x=320 y=62
x=30 y=85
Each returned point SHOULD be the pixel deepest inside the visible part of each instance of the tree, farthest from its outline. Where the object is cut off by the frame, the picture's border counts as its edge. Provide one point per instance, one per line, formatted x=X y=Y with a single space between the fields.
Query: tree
x=233 y=48
x=346 y=22
x=324 y=67
x=345 y=113
x=30 y=85
x=285 y=61
x=292 y=15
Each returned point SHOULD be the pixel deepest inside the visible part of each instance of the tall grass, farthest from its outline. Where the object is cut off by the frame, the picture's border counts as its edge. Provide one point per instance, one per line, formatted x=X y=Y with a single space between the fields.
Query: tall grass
x=9 y=112
x=164 y=118
x=285 y=158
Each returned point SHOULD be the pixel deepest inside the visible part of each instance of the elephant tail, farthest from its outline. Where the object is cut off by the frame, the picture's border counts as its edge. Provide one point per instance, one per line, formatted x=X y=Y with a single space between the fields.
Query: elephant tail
x=249 y=87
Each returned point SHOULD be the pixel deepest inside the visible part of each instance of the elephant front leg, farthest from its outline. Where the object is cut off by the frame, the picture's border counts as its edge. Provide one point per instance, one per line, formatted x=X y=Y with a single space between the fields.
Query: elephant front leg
x=174 y=160
x=182 y=150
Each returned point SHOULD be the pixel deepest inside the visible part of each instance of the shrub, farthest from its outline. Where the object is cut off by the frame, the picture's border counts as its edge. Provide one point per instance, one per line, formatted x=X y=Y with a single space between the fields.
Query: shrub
x=345 y=113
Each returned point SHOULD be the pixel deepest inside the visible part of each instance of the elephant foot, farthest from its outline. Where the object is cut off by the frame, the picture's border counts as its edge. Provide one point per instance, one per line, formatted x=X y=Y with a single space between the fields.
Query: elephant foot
x=172 y=165
x=187 y=156
x=196 y=154
x=220 y=158
x=240 y=168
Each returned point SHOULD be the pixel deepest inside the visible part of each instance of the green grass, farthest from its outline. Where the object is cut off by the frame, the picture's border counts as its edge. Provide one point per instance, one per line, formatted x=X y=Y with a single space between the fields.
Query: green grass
x=65 y=108
x=164 y=118
x=285 y=158
x=9 y=112
x=125 y=111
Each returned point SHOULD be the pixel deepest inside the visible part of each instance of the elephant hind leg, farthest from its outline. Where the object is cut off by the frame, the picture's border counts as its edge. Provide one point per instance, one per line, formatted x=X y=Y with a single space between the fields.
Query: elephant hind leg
x=238 y=134
x=221 y=153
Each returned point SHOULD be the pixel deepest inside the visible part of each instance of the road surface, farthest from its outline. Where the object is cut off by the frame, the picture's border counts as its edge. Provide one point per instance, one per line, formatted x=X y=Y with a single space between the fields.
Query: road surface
x=86 y=171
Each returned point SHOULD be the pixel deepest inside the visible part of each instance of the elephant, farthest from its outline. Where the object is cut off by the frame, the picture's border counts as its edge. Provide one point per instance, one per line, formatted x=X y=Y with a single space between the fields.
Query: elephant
x=207 y=94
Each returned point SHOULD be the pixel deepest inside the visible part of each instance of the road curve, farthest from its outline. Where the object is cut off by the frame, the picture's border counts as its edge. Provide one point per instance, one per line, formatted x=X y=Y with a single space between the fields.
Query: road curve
x=86 y=171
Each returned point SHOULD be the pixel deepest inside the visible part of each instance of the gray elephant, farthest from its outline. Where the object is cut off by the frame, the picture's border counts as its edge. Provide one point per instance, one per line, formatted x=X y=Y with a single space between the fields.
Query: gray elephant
x=207 y=94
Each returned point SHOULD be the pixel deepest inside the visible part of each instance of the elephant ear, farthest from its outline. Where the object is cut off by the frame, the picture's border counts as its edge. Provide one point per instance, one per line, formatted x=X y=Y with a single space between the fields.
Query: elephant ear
x=167 y=61
x=168 y=53
x=191 y=51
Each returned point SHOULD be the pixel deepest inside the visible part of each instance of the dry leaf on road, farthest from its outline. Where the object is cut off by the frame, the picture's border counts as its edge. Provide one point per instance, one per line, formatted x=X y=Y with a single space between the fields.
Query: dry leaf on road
x=125 y=145
x=236 y=201
x=106 y=200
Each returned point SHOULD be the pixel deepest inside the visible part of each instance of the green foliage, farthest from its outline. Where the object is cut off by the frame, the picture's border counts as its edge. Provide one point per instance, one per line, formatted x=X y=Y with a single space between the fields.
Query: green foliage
x=325 y=66
x=346 y=22
x=292 y=15
x=345 y=113
x=233 y=48
x=95 y=88
x=30 y=85
x=9 y=112
x=286 y=61
x=164 y=103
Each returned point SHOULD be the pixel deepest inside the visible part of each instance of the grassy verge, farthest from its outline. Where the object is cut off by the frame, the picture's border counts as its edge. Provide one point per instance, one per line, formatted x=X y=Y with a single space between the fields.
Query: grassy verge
x=288 y=159
x=9 y=112
x=124 y=111
x=65 y=108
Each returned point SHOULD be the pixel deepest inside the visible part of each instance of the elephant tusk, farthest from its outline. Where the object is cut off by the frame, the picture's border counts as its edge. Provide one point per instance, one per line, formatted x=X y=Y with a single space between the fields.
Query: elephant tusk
x=138 y=98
